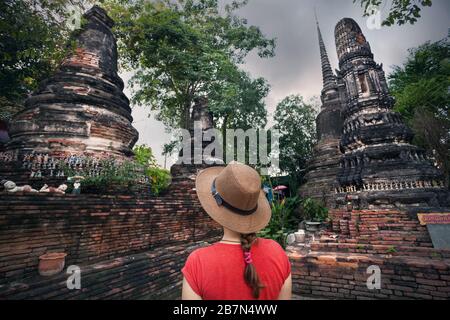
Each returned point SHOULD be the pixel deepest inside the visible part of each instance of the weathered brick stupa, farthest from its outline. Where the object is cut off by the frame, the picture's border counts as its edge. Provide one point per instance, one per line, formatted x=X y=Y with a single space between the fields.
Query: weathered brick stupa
x=388 y=182
x=380 y=166
x=7 y=111
x=126 y=242
x=81 y=109
x=184 y=174
x=323 y=168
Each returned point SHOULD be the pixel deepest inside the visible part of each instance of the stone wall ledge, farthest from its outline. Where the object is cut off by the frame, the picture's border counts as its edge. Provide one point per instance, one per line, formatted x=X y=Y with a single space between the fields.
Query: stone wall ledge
x=323 y=257
x=26 y=196
x=430 y=253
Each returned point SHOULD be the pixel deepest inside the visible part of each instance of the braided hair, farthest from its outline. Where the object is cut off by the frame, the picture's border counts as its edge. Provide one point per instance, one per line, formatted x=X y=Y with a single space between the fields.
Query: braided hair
x=250 y=274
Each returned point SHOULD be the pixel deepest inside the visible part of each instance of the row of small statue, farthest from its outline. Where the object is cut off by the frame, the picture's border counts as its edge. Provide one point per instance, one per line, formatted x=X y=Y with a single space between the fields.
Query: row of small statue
x=48 y=162
x=60 y=173
x=35 y=165
x=393 y=186
x=44 y=161
x=38 y=174
x=9 y=156
x=11 y=187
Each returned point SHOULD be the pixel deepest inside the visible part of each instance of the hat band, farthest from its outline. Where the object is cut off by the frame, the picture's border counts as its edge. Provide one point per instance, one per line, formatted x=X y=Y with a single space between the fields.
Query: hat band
x=221 y=202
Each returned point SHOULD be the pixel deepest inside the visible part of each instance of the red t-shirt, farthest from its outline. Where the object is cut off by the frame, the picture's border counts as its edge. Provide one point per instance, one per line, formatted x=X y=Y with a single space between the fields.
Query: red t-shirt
x=217 y=272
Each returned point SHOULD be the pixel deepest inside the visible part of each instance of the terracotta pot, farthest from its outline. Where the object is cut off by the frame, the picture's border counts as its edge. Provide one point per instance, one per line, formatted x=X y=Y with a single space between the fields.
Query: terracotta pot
x=51 y=263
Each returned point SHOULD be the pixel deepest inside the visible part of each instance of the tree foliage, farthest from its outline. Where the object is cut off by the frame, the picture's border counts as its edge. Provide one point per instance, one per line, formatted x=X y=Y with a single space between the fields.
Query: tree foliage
x=144 y=155
x=421 y=88
x=283 y=222
x=33 y=41
x=159 y=178
x=186 y=49
x=295 y=121
x=400 y=11
x=240 y=103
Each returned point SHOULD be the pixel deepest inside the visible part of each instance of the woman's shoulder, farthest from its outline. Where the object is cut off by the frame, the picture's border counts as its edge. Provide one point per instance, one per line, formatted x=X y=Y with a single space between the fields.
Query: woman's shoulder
x=275 y=250
x=269 y=244
x=218 y=249
x=204 y=251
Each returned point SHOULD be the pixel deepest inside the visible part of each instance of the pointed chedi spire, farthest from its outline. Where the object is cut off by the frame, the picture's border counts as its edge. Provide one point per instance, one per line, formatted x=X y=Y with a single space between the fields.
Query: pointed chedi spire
x=325 y=164
x=329 y=80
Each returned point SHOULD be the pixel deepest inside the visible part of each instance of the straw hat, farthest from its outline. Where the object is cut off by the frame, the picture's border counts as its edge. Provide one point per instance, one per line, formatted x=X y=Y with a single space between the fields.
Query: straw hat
x=233 y=197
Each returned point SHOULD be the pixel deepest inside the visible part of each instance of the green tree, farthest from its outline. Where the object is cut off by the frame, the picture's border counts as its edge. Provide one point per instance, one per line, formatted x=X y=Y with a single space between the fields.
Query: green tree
x=144 y=155
x=185 y=49
x=400 y=11
x=159 y=178
x=421 y=88
x=33 y=41
x=168 y=150
x=240 y=103
x=295 y=121
x=283 y=222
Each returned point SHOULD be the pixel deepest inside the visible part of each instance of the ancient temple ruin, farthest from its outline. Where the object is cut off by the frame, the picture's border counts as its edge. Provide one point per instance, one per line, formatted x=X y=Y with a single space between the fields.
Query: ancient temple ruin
x=128 y=244
x=379 y=166
x=81 y=109
x=383 y=189
x=322 y=170
x=202 y=120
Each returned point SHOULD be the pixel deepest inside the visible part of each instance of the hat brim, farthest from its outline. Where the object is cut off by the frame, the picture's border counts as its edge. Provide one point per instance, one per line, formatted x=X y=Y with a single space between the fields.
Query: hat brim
x=226 y=217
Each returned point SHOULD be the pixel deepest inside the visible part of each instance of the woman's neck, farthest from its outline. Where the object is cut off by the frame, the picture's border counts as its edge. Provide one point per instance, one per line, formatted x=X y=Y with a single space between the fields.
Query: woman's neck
x=231 y=237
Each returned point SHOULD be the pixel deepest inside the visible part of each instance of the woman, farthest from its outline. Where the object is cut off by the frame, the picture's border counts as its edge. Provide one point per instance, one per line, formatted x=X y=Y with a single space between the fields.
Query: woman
x=240 y=266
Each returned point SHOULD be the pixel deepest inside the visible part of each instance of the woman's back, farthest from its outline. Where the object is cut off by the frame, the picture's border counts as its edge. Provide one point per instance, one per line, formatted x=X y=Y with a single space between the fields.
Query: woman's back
x=216 y=272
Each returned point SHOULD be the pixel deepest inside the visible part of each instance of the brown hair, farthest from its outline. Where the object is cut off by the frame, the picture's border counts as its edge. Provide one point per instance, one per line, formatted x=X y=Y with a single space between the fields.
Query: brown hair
x=250 y=274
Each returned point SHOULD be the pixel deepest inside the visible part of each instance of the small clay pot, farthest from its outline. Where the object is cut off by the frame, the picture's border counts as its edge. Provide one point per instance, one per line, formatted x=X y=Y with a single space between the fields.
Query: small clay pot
x=51 y=263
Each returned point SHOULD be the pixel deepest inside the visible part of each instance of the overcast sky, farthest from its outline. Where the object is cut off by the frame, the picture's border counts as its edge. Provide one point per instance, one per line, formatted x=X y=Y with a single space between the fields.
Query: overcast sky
x=296 y=67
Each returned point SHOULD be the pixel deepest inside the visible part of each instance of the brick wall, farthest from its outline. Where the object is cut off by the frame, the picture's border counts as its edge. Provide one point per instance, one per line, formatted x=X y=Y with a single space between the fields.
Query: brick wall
x=380 y=227
x=94 y=229
x=148 y=275
x=81 y=57
x=336 y=268
x=344 y=276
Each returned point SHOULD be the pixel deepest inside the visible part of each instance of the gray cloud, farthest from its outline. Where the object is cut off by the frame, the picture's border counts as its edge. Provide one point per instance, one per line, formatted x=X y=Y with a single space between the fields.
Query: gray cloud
x=296 y=67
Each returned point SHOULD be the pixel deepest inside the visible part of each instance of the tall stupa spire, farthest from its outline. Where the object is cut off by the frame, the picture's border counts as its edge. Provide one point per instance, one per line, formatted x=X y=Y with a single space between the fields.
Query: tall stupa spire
x=325 y=163
x=327 y=73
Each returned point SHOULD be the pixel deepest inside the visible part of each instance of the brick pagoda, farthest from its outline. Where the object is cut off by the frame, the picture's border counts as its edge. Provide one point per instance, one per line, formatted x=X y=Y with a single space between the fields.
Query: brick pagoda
x=376 y=164
x=127 y=246
x=321 y=177
x=383 y=183
x=81 y=109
